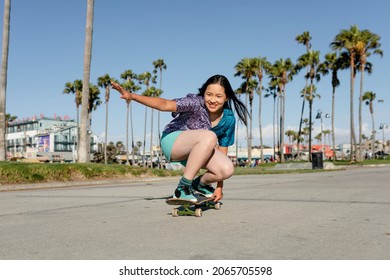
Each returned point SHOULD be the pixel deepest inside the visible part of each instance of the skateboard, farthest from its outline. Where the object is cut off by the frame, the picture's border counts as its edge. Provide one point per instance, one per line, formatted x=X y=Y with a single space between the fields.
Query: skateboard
x=188 y=208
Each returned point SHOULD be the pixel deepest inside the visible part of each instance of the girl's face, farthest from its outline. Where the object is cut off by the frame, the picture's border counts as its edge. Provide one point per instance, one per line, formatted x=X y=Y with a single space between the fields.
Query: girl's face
x=214 y=98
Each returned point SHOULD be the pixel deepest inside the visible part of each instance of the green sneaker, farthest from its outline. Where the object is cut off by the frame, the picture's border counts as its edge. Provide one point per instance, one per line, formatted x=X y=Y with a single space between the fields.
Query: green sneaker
x=186 y=193
x=206 y=190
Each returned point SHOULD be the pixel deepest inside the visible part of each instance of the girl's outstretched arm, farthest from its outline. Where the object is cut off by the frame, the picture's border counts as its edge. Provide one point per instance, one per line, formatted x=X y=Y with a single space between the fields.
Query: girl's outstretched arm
x=158 y=103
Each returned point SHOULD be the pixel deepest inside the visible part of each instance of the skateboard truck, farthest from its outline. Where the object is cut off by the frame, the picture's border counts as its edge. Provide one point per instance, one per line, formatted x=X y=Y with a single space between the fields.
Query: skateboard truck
x=188 y=208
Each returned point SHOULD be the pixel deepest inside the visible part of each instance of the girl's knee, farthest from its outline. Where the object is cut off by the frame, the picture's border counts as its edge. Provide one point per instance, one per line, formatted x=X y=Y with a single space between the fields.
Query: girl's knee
x=229 y=170
x=210 y=138
x=226 y=170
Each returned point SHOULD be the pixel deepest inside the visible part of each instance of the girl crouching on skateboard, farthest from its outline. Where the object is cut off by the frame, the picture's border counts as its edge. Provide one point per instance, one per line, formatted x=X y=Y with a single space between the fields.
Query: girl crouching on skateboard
x=199 y=135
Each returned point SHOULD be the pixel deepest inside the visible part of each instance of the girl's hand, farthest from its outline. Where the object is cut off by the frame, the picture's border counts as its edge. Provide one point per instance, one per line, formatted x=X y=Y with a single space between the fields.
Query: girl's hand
x=124 y=94
x=218 y=194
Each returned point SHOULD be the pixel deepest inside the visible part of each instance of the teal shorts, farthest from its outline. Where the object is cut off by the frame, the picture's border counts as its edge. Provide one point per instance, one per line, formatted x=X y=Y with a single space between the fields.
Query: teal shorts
x=167 y=142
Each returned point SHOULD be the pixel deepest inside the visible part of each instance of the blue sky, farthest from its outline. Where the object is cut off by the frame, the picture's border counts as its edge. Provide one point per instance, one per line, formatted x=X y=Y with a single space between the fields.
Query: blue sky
x=196 y=39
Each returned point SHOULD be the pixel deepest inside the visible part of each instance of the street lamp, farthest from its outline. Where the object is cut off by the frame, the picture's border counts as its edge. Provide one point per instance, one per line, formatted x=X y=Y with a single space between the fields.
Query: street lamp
x=319 y=116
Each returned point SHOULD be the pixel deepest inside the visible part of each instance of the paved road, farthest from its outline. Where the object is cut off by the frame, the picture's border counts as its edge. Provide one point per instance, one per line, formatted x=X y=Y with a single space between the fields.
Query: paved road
x=327 y=215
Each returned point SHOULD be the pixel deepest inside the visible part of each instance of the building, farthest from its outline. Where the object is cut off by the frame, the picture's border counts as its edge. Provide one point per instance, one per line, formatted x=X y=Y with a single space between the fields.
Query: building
x=54 y=138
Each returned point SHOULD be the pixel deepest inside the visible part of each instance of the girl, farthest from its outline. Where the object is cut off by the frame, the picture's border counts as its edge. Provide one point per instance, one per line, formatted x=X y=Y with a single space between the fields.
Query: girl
x=200 y=123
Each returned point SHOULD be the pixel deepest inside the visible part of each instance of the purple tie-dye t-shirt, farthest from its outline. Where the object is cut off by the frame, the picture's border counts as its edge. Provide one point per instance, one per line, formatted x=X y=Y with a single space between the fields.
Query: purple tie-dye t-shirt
x=191 y=114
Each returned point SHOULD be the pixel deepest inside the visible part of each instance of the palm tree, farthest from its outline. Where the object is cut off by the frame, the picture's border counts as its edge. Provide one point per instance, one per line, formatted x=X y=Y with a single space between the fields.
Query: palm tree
x=93 y=103
x=309 y=94
x=327 y=132
x=119 y=147
x=292 y=135
x=368 y=41
x=160 y=65
x=303 y=39
x=251 y=86
x=129 y=85
x=139 y=145
x=153 y=92
x=369 y=97
x=76 y=88
x=282 y=71
x=311 y=60
x=94 y=100
x=333 y=63
x=305 y=130
x=318 y=137
x=356 y=44
x=238 y=92
x=105 y=82
x=145 y=79
x=84 y=149
x=9 y=118
x=271 y=91
x=3 y=78
x=262 y=65
x=347 y=39
x=246 y=68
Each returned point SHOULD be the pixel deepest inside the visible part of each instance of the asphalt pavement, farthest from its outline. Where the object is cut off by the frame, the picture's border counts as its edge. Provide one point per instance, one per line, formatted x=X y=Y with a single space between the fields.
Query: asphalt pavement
x=330 y=215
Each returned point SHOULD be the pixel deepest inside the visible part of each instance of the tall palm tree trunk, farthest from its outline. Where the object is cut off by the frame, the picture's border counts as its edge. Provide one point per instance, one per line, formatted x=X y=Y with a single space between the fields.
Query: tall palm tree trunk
x=132 y=133
x=249 y=152
x=78 y=132
x=282 y=112
x=3 y=78
x=360 y=156
x=84 y=148
x=310 y=119
x=151 y=138
x=352 y=123
x=105 y=135
x=250 y=135
x=144 y=144
x=278 y=123
x=273 y=125
x=373 y=130
x=301 y=120
x=160 y=163
x=237 y=126
x=333 y=127
x=300 y=127
x=127 y=131
x=260 y=125
x=310 y=127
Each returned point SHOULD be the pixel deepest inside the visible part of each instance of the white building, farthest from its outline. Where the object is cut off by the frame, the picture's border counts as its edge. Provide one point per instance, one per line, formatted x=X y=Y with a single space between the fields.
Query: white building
x=42 y=136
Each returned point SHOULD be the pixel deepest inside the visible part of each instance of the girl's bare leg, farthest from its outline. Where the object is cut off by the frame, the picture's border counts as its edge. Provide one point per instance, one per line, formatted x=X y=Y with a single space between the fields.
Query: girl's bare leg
x=219 y=167
x=195 y=146
x=199 y=148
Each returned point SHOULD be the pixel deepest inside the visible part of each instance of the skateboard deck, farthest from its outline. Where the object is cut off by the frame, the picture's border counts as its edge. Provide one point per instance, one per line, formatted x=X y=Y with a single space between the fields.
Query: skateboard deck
x=189 y=208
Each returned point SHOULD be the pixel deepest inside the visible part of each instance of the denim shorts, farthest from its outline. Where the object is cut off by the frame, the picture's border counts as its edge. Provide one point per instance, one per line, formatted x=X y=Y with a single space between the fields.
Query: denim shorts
x=167 y=142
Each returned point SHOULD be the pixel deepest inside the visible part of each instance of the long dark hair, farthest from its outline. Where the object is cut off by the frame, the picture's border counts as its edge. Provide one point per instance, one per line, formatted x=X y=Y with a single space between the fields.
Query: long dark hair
x=239 y=107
